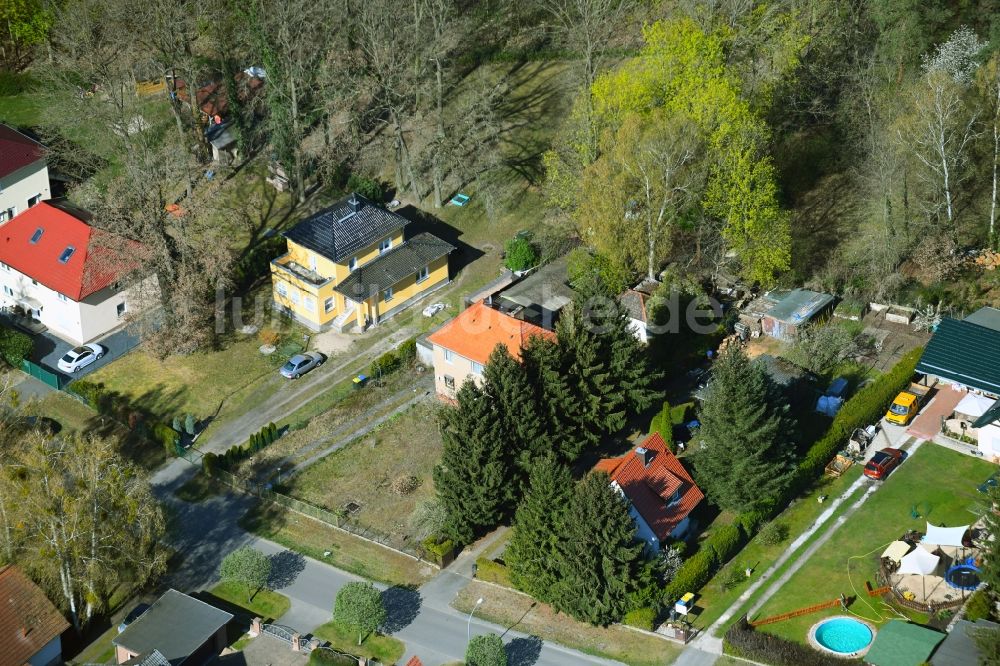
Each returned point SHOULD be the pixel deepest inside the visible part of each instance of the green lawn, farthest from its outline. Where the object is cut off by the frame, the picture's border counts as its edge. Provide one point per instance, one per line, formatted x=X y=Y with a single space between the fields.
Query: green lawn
x=938 y=481
x=716 y=597
x=267 y=604
x=348 y=552
x=100 y=651
x=386 y=649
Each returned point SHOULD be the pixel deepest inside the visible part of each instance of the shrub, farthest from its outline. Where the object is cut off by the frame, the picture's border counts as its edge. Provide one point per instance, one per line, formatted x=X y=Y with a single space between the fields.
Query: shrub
x=407 y=351
x=269 y=336
x=370 y=188
x=15 y=346
x=176 y=424
x=725 y=541
x=661 y=423
x=692 y=575
x=189 y=424
x=492 y=571
x=979 y=606
x=767 y=648
x=643 y=618
x=751 y=522
x=273 y=430
x=438 y=549
x=487 y=650
x=324 y=657
x=520 y=254
x=773 y=533
x=385 y=364
x=90 y=392
x=733 y=576
x=167 y=437
x=680 y=414
x=210 y=463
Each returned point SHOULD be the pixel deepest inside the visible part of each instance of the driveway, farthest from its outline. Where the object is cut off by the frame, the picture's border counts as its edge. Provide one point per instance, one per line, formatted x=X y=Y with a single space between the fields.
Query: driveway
x=49 y=349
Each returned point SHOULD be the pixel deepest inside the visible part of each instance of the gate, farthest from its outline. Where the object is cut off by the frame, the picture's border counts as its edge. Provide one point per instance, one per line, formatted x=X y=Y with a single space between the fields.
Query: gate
x=286 y=634
x=43 y=375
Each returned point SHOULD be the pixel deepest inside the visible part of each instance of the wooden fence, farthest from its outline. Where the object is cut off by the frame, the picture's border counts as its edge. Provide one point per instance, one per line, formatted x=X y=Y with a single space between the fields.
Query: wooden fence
x=842 y=601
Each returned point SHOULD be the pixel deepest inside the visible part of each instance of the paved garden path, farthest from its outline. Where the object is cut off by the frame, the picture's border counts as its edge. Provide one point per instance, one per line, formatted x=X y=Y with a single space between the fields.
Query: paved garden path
x=706 y=647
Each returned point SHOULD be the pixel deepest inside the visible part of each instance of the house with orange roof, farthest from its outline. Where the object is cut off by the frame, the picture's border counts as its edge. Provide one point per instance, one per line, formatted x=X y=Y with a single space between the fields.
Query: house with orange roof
x=660 y=491
x=30 y=626
x=462 y=347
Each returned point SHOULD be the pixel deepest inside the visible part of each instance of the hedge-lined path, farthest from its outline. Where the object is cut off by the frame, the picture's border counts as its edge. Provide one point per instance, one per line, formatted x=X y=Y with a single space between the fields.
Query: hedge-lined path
x=708 y=642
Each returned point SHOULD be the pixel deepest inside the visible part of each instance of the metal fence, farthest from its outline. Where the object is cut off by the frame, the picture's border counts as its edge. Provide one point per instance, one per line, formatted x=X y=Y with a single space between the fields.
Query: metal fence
x=331 y=518
x=43 y=375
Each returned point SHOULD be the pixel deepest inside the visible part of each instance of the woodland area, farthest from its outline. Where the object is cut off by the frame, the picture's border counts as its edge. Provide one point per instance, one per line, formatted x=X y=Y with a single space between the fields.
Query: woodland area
x=848 y=146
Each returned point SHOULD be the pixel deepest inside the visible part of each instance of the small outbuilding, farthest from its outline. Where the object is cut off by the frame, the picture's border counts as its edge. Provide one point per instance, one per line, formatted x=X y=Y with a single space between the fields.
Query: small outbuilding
x=960 y=648
x=180 y=628
x=794 y=309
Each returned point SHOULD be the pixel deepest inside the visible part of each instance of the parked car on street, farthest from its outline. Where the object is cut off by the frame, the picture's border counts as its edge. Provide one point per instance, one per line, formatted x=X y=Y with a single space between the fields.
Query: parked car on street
x=300 y=364
x=883 y=462
x=80 y=357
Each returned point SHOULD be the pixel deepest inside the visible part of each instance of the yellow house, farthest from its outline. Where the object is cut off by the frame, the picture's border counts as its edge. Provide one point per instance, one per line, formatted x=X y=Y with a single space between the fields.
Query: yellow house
x=351 y=264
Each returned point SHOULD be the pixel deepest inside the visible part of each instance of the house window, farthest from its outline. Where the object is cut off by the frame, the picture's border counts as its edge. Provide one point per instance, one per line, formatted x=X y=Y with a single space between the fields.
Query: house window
x=282 y=289
x=352 y=264
x=62 y=297
x=313 y=262
x=295 y=297
x=477 y=368
x=34 y=282
x=423 y=273
x=34 y=200
x=4 y=266
x=310 y=303
x=329 y=305
x=675 y=498
x=387 y=295
x=122 y=309
x=35 y=237
x=7 y=290
x=449 y=356
x=8 y=214
x=385 y=245
x=66 y=254
x=449 y=382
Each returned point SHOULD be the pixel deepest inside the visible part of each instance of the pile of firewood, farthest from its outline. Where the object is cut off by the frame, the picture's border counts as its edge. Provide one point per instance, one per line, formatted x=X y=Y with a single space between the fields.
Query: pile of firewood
x=988 y=259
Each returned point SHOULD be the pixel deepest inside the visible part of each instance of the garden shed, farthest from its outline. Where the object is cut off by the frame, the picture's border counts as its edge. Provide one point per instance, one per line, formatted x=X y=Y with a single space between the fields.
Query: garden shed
x=794 y=309
x=900 y=643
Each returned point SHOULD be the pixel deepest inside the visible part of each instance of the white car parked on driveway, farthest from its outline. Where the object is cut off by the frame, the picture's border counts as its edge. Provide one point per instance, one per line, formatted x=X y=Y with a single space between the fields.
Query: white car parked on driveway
x=80 y=357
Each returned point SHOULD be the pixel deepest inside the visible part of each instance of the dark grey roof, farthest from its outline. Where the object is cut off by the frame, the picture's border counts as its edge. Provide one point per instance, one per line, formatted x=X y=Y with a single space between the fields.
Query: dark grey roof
x=175 y=625
x=546 y=288
x=633 y=302
x=388 y=269
x=799 y=306
x=966 y=353
x=959 y=648
x=154 y=658
x=350 y=225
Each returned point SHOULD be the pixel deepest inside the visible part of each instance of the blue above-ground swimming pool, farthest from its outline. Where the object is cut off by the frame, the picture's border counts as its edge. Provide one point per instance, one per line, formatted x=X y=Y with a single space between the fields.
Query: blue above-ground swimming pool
x=843 y=635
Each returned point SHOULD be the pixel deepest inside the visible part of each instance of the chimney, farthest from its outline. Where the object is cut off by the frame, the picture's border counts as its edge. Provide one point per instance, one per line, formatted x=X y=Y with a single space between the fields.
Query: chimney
x=24 y=632
x=355 y=202
x=645 y=455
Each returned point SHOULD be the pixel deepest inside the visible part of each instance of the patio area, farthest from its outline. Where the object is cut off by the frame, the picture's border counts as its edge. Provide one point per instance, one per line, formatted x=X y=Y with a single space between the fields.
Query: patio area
x=927 y=425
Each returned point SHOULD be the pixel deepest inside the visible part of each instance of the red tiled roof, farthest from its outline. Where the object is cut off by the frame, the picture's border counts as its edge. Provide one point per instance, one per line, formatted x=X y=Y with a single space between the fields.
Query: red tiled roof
x=28 y=620
x=213 y=98
x=93 y=265
x=476 y=332
x=414 y=661
x=649 y=488
x=17 y=151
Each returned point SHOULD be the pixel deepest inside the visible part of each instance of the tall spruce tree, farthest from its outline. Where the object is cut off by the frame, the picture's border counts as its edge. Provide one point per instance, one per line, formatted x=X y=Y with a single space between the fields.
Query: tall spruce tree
x=598 y=557
x=558 y=407
x=746 y=459
x=474 y=478
x=538 y=523
x=506 y=386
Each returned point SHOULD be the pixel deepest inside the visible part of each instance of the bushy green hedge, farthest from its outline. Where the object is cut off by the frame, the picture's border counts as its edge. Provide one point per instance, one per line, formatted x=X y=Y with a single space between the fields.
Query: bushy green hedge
x=438 y=549
x=726 y=541
x=394 y=359
x=15 y=346
x=693 y=574
x=492 y=571
x=662 y=423
x=867 y=406
x=520 y=254
x=979 y=606
x=642 y=618
x=744 y=641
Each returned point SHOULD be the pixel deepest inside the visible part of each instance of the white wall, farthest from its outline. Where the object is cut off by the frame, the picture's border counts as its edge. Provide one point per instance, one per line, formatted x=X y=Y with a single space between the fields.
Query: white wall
x=50 y=654
x=638 y=329
x=18 y=187
x=459 y=368
x=643 y=531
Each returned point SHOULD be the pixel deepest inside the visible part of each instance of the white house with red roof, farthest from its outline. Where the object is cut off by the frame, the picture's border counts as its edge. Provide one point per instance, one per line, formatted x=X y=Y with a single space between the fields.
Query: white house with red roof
x=59 y=270
x=661 y=492
x=24 y=177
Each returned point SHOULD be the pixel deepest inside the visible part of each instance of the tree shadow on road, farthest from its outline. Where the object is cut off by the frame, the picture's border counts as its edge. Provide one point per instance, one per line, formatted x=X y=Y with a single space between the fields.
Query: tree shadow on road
x=523 y=651
x=285 y=568
x=401 y=606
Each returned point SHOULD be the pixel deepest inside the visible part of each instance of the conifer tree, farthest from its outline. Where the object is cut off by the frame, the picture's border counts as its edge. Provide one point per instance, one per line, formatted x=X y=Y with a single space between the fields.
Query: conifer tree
x=602 y=406
x=531 y=552
x=559 y=409
x=473 y=479
x=506 y=386
x=746 y=459
x=598 y=557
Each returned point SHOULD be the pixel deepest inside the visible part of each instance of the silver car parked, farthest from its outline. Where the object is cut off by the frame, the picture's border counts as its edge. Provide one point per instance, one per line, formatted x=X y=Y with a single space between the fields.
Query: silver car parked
x=300 y=364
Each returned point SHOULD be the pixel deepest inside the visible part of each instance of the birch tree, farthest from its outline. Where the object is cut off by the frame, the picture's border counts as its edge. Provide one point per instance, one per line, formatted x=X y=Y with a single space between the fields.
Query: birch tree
x=988 y=83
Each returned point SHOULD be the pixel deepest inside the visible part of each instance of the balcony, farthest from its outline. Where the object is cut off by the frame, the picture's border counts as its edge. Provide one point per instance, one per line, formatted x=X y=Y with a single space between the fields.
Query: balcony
x=298 y=271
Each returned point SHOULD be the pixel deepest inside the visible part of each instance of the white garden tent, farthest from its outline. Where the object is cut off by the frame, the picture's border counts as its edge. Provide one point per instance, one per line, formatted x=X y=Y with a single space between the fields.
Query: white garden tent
x=945 y=536
x=918 y=562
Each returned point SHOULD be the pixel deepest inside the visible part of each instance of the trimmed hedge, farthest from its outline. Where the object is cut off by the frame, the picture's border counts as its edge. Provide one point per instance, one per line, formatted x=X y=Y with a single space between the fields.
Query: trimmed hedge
x=257 y=441
x=492 y=571
x=15 y=346
x=394 y=359
x=744 y=641
x=726 y=541
x=867 y=406
x=642 y=618
x=696 y=571
x=438 y=550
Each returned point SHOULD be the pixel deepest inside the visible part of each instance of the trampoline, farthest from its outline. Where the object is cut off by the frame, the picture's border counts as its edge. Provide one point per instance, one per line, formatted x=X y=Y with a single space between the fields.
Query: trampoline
x=963 y=576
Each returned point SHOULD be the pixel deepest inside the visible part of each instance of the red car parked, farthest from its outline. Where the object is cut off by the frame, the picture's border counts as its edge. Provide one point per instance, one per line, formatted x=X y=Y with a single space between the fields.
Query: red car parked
x=883 y=462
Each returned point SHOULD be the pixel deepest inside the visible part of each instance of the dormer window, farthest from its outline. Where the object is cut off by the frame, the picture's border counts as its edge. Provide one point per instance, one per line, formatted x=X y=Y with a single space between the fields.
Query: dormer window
x=66 y=254
x=352 y=264
x=37 y=235
x=385 y=245
x=675 y=498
